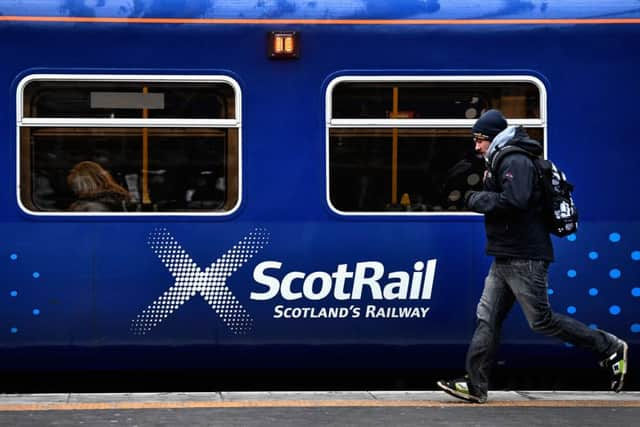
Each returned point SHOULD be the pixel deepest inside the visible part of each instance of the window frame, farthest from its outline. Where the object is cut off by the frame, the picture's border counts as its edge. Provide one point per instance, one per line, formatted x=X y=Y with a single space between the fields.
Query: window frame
x=331 y=123
x=27 y=122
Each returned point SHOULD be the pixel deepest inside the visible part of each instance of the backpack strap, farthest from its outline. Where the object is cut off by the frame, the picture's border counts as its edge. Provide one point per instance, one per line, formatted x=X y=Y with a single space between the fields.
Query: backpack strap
x=505 y=151
x=538 y=163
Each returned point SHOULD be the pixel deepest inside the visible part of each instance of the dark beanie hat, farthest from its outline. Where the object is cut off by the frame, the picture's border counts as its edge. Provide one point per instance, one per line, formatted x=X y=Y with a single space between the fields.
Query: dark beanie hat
x=491 y=123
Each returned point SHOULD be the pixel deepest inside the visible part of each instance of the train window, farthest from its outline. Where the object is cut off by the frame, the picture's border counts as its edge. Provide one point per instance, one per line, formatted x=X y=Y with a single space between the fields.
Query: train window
x=166 y=145
x=402 y=145
x=129 y=100
x=435 y=100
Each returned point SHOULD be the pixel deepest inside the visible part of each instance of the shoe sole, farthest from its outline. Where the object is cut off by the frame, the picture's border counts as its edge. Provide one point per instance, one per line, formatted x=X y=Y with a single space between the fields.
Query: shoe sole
x=625 y=368
x=455 y=393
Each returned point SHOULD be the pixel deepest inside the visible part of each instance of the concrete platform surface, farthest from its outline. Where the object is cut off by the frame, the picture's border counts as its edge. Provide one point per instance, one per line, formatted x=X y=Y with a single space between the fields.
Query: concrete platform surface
x=313 y=408
x=63 y=401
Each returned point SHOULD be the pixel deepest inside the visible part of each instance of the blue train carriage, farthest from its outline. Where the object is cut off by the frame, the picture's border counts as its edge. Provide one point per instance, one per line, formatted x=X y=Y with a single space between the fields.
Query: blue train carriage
x=280 y=185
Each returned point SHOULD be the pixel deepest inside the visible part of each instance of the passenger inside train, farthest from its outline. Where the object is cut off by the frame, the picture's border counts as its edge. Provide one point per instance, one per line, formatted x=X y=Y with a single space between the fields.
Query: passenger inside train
x=168 y=146
x=95 y=189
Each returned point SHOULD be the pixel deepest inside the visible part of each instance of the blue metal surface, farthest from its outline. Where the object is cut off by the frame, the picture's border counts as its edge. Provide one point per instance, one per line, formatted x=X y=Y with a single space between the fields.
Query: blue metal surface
x=77 y=283
x=325 y=9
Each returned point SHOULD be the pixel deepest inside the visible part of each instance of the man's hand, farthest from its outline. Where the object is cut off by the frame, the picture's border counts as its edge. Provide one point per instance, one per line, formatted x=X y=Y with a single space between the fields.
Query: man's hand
x=467 y=198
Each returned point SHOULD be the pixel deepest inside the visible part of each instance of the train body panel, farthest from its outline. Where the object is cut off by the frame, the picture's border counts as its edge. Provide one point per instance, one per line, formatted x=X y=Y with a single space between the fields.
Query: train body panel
x=312 y=283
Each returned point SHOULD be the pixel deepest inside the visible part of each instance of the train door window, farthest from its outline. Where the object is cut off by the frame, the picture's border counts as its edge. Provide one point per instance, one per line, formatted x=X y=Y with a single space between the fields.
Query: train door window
x=164 y=145
x=402 y=145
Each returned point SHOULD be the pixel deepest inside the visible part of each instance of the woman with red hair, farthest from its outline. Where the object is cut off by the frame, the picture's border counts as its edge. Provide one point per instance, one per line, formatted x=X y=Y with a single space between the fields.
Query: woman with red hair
x=96 y=189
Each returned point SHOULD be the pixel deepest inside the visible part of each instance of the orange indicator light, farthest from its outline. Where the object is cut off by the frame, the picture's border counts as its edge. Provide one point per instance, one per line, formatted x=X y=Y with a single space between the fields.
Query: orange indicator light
x=283 y=45
x=288 y=44
x=278 y=47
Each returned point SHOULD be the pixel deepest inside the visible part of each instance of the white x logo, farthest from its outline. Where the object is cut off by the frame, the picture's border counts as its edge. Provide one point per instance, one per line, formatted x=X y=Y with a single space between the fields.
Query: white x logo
x=190 y=279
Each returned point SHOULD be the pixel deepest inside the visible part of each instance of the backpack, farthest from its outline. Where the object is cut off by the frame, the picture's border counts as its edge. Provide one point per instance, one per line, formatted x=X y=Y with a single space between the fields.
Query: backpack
x=559 y=210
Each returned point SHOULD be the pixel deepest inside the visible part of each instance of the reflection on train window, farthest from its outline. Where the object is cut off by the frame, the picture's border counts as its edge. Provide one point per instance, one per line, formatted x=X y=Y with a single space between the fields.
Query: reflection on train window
x=90 y=146
x=435 y=169
x=435 y=100
x=120 y=99
x=188 y=169
x=406 y=146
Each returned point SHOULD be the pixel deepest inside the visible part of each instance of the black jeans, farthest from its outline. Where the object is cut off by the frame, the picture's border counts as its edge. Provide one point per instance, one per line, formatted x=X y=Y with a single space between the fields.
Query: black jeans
x=525 y=281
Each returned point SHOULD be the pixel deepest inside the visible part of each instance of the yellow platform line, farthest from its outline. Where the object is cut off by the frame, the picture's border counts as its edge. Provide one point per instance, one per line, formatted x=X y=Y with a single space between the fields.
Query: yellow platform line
x=92 y=406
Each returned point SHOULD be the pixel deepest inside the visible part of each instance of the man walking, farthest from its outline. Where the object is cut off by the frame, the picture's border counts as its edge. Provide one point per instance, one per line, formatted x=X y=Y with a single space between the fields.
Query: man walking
x=519 y=241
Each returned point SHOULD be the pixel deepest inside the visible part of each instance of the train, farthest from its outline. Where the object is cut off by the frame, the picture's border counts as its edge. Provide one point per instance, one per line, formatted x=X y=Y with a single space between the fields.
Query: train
x=294 y=175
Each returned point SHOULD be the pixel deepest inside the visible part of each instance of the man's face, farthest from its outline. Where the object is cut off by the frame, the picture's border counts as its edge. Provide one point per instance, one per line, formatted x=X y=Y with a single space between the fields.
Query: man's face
x=482 y=144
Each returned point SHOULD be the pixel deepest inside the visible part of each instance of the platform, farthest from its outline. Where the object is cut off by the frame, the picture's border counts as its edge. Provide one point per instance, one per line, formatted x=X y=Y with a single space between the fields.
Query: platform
x=355 y=408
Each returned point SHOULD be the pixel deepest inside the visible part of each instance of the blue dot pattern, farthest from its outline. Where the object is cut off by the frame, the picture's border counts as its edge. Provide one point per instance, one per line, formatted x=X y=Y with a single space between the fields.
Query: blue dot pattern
x=15 y=292
x=606 y=292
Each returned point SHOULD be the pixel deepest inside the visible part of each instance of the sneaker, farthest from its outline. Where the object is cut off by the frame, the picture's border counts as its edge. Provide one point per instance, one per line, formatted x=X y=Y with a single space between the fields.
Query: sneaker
x=460 y=388
x=618 y=364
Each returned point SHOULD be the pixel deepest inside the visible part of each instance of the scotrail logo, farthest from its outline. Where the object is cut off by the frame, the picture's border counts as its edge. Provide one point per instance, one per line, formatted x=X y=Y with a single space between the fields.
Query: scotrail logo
x=210 y=283
x=368 y=280
x=344 y=284
x=344 y=288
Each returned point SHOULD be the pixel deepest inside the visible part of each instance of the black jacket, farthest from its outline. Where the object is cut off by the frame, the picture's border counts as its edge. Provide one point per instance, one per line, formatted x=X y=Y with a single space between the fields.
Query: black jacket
x=511 y=201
